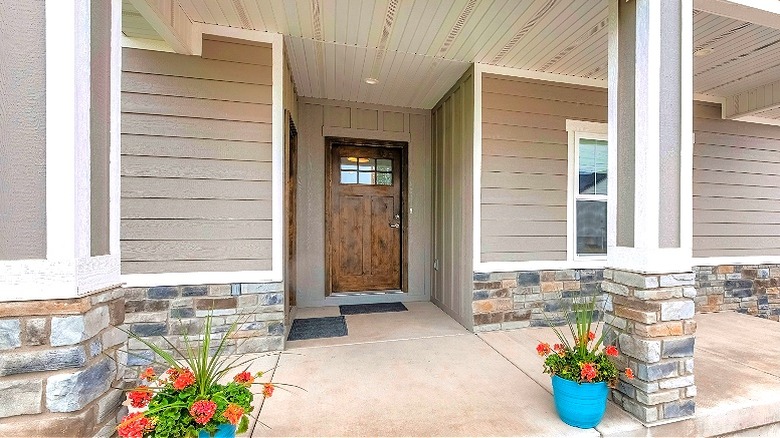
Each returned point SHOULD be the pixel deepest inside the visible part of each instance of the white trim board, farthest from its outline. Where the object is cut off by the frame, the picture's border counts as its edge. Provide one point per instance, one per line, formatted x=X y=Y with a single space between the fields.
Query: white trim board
x=146 y=44
x=745 y=260
x=541 y=265
x=198 y=278
x=476 y=206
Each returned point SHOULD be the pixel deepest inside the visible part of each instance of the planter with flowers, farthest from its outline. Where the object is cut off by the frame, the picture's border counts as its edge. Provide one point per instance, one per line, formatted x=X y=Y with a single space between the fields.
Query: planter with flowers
x=581 y=369
x=188 y=400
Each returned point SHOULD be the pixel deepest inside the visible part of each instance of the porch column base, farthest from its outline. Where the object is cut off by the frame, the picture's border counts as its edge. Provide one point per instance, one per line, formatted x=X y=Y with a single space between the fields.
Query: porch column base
x=650 y=319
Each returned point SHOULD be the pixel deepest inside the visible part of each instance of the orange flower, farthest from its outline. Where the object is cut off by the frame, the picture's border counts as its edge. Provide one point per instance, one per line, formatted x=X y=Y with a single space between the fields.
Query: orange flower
x=543 y=349
x=140 y=397
x=611 y=350
x=148 y=374
x=588 y=371
x=629 y=373
x=184 y=378
x=233 y=413
x=244 y=378
x=134 y=425
x=268 y=390
x=203 y=410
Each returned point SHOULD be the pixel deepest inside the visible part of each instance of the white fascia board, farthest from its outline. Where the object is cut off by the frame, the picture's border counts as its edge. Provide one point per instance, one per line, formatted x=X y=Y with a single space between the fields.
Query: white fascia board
x=761 y=120
x=762 y=12
x=146 y=44
x=170 y=21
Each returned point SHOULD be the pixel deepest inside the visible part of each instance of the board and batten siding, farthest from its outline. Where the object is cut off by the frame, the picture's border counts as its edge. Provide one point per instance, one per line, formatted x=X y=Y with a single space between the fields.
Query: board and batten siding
x=736 y=175
x=525 y=164
x=22 y=130
x=197 y=159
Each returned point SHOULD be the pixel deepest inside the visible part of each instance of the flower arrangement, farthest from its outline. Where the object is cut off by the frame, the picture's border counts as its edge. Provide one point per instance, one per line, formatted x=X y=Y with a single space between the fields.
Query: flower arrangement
x=187 y=399
x=583 y=360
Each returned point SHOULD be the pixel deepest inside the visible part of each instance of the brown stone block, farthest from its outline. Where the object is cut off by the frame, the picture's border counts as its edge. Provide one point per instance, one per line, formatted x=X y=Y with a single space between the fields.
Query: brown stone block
x=73 y=424
x=552 y=286
x=519 y=315
x=488 y=318
x=571 y=285
x=674 y=328
x=116 y=312
x=509 y=284
x=645 y=317
x=215 y=303
x=49 y=308
x=500 y=293
x=547 y=276
x=503 y=304
x=725 y=269
x=487 y=285
x=483 y=306
x=689 y=327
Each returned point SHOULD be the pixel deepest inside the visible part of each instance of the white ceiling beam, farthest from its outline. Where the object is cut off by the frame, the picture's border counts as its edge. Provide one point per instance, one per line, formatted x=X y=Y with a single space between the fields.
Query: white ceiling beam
x=169 y=20
x=761 y=12
x=752 y=102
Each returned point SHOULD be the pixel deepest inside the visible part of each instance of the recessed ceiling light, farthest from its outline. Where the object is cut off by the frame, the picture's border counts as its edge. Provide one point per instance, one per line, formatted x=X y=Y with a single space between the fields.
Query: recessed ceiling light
x=372 y=81
x=703 y=52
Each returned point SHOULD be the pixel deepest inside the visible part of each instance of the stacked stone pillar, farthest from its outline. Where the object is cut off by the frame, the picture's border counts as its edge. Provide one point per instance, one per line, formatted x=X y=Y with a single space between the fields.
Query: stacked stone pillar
x=650 y=318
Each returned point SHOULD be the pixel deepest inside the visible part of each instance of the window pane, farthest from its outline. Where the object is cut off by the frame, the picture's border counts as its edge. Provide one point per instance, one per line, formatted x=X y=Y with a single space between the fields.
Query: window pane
x=384 y=165
x=349 y=177
x=349 y=163
x=593 y=167
x=384 y=179
x=368 y=178
x=367 y=164
x=591 y=227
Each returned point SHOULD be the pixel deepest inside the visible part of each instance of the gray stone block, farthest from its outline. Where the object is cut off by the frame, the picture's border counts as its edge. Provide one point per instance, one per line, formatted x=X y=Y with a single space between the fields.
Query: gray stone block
x=272 y=299
x=71 y=392
x=684 y=279
x=261 y=288
x=676 y=382
x=10 y=334
x=528 y=278
x=67 y=330
x=276 y=329
x=677 y=310
x=194 y=291
x=95 y=347
x=42 y=360
x=635 y=280
x=679 y=409
x=481 y=276
x=109 y=403
x=656 y=371
x=162 y=293
x=182 y=313
x=149 y=329
x=140 y=357
x=682 y=347
x=20 y=397
x=644 y=350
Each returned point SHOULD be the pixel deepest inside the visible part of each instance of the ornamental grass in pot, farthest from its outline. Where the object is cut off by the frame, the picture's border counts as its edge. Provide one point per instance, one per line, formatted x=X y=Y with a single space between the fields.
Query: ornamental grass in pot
x=581 y=368
x=188 y=400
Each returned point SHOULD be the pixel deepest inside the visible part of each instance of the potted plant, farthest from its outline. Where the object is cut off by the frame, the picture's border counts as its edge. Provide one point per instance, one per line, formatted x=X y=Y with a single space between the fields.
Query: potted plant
x=581 y=369
x=188 y=400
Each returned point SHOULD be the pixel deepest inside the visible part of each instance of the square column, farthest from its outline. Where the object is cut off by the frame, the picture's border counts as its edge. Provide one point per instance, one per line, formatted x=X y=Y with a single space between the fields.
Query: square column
x=649 y=280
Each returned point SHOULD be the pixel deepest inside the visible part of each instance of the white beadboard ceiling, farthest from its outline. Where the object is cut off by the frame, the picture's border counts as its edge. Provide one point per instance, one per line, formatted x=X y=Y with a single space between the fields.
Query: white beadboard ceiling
x=418 y=48
x=134 y=25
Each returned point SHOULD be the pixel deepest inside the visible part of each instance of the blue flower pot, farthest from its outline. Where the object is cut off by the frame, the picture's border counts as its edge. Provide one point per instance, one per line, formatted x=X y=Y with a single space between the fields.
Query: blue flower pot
x=580 y=404
x=226 y=430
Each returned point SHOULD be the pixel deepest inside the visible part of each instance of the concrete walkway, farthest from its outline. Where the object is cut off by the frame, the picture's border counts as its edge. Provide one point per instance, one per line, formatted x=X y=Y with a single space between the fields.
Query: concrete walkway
x=419 y=373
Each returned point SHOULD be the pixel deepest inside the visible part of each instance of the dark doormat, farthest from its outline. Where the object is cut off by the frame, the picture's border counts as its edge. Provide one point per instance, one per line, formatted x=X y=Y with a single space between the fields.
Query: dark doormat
x=315 y=328
x=355 y=309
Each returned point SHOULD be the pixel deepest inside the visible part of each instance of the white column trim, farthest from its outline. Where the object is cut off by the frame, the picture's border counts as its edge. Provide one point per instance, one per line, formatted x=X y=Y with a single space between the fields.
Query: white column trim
x=686 y=129
x=476 y=207
x=612 y=137
x=115 y=150
x=277 y=179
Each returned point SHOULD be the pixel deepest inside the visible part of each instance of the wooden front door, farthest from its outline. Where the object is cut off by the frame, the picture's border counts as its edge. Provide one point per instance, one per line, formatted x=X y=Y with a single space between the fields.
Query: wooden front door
x=365 y=226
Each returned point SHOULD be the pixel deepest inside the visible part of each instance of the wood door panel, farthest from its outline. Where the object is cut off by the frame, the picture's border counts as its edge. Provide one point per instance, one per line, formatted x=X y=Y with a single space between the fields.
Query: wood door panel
x=365 y=230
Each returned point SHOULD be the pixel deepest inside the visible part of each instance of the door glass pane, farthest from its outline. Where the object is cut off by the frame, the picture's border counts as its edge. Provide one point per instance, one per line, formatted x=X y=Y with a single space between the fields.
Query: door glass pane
x=591 y=227
x=368 y=178
x=349 y=177
x=366 y=164
x=384 y=179
x=349 y=163
x=384 y=165
x=593 y=167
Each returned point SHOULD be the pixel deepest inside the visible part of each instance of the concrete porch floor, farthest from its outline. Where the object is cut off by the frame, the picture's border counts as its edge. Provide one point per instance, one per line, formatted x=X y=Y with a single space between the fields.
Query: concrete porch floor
x=419 y=373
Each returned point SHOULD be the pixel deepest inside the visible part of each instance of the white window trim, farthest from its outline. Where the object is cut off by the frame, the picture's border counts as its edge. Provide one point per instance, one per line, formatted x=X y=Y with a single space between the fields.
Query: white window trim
x=579 y=129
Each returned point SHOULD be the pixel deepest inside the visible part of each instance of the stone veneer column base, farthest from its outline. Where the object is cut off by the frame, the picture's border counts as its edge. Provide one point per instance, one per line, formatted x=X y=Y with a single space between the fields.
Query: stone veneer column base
x=649 y=318
x=59 y=365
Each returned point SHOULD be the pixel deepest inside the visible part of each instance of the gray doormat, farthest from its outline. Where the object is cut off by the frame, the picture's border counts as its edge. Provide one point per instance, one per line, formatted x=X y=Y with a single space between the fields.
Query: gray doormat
x=355 y=309
x=315 y=328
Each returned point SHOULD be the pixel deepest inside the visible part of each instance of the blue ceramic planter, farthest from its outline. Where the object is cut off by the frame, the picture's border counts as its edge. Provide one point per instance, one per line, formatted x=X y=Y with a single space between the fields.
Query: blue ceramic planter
x=580 y=404
x=226 y=430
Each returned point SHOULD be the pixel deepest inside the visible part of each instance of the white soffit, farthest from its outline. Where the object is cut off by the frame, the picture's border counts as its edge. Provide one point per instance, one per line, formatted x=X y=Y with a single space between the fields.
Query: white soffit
x=136 y=26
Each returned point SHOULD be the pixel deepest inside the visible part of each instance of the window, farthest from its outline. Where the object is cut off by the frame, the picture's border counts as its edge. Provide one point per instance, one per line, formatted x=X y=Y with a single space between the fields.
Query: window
x=366 y=171
x=588 y=181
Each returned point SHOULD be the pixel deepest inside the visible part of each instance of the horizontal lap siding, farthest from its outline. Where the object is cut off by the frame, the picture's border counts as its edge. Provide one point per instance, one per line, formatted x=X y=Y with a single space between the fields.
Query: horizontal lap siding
x=736 y=175
x=525 y=164
x=197 y=160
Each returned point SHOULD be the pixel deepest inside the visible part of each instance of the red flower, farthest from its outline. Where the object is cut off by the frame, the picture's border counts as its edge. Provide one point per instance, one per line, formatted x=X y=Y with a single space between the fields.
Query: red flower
x=591 y=336
x=244 y=378
x=184 y=378
x=268 y=390
x=233 y=413
x=543 y=349
x=629 y=373
x=203 y=410
x=588 y=371
x=611 y=350
x=140 y=397
x=134 y=425
x=148 y=374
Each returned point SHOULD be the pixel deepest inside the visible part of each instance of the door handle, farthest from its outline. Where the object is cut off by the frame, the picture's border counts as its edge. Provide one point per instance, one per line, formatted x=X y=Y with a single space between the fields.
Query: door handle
x=392 y=225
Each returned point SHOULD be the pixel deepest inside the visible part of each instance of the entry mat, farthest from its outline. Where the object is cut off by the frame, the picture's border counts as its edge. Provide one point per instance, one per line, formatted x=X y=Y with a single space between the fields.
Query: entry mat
x=315 y=328
x=355 y=309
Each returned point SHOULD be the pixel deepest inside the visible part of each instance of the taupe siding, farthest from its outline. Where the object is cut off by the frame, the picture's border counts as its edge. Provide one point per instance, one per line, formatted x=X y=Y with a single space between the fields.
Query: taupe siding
x=525 y=162
x=22 y=130
x=452 y=138
x=100 y=125
x=736 y=173
x=196 y=159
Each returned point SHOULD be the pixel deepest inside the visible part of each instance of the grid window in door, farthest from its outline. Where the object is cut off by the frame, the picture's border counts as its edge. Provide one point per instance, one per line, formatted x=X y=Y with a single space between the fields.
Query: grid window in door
x=366 y=171
x=590 y=197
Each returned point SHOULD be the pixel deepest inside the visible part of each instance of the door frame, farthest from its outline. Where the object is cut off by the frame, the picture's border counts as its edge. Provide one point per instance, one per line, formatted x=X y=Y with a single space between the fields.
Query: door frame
x=403 y=146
